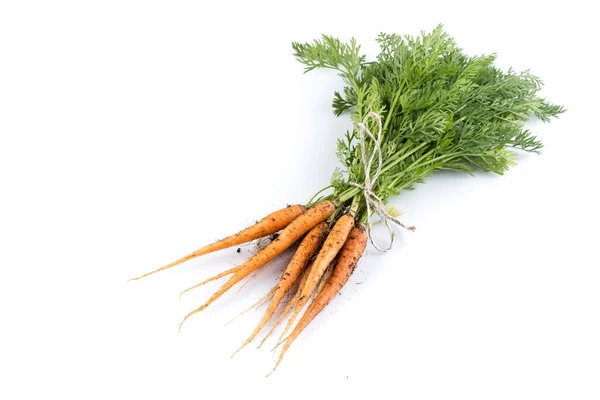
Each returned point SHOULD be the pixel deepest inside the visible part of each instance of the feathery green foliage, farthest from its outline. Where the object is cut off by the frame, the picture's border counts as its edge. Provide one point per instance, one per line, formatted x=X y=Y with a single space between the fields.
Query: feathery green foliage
x=441 y=109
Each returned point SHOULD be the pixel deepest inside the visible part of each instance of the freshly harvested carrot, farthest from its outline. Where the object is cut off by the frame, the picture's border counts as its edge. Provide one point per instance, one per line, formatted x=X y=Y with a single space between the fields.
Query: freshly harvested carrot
x=330 y=249
x=270 y=224
x=219 y=276
x=349 y=256
x=294 y=231
x=308 y=247
x=291 y=303
x=322 y=282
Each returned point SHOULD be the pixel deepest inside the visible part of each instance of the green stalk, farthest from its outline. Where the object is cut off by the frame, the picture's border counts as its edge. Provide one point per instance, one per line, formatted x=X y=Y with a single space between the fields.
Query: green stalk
x=354 y=206
x=404 y=156
x=310 y=202
x=391 y=111
x=348 y=194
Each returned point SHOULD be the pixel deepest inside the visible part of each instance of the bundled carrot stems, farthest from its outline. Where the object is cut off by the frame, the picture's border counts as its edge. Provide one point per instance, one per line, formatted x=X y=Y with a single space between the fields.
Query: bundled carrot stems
x=421 y=106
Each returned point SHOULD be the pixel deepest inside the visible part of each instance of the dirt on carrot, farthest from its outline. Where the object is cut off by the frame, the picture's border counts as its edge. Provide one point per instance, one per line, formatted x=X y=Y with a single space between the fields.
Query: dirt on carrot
x=290 y=305
x=334 y=242
x=294 y=231
x=309 y=245
x=346 y=263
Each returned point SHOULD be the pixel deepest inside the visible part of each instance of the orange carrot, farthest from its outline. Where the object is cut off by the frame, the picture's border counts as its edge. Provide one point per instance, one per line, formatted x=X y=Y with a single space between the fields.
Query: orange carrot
x=270 y=224
x=322 y=282
x=291 y=303
x=349 y=256
x=331 y=247
x=308 y=247
x=295 y=230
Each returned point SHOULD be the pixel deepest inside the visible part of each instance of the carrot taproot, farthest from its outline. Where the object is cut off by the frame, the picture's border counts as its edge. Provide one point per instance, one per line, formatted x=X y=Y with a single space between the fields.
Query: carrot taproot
x=290 y=234
x=290 y=304
x=308 y=247
x=322 y=282
x=331 y=247
x=346 y=263
x=221 y=275
x=270 y=224
x=324 y=278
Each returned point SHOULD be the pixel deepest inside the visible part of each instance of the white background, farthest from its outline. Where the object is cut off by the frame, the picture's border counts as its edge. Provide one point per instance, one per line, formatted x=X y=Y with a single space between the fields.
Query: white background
x=132 y=132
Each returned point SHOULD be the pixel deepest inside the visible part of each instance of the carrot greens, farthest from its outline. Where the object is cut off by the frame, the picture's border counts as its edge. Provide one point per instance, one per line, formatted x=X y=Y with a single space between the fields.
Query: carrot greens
x=441 y=109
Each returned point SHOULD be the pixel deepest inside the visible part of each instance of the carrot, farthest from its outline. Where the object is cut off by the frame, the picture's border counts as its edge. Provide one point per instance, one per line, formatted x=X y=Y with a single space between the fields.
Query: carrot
x=322 y=282
x=270 y=224
x=291 y=303
x=309 y=245
x=295 y=230
x=330 y=249
x=349 y=256
x=219 y=276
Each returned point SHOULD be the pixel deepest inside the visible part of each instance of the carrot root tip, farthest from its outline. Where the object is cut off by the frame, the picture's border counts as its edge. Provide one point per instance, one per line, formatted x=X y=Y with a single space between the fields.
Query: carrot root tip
x=237 y=351
x=279 y=344
x=274 y=368
x=185 y=319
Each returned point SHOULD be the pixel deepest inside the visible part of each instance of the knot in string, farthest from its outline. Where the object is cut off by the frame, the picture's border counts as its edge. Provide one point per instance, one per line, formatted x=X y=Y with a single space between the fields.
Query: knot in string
x=373 y=202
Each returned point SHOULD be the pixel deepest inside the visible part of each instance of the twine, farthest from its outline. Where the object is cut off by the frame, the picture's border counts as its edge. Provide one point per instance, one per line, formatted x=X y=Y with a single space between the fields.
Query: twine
x=373 y=202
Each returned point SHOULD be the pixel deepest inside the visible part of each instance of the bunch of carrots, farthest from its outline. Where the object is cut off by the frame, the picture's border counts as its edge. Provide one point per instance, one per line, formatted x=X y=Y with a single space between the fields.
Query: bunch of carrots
x=421 y=106
x=319 y=246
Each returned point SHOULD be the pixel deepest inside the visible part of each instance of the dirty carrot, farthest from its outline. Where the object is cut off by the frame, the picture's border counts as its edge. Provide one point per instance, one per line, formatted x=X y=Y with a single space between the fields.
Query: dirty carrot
x=290 y=305
x=270 y=224
x=294 y=231
x=334 y=242
x=309 y=245
x=346 y=263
